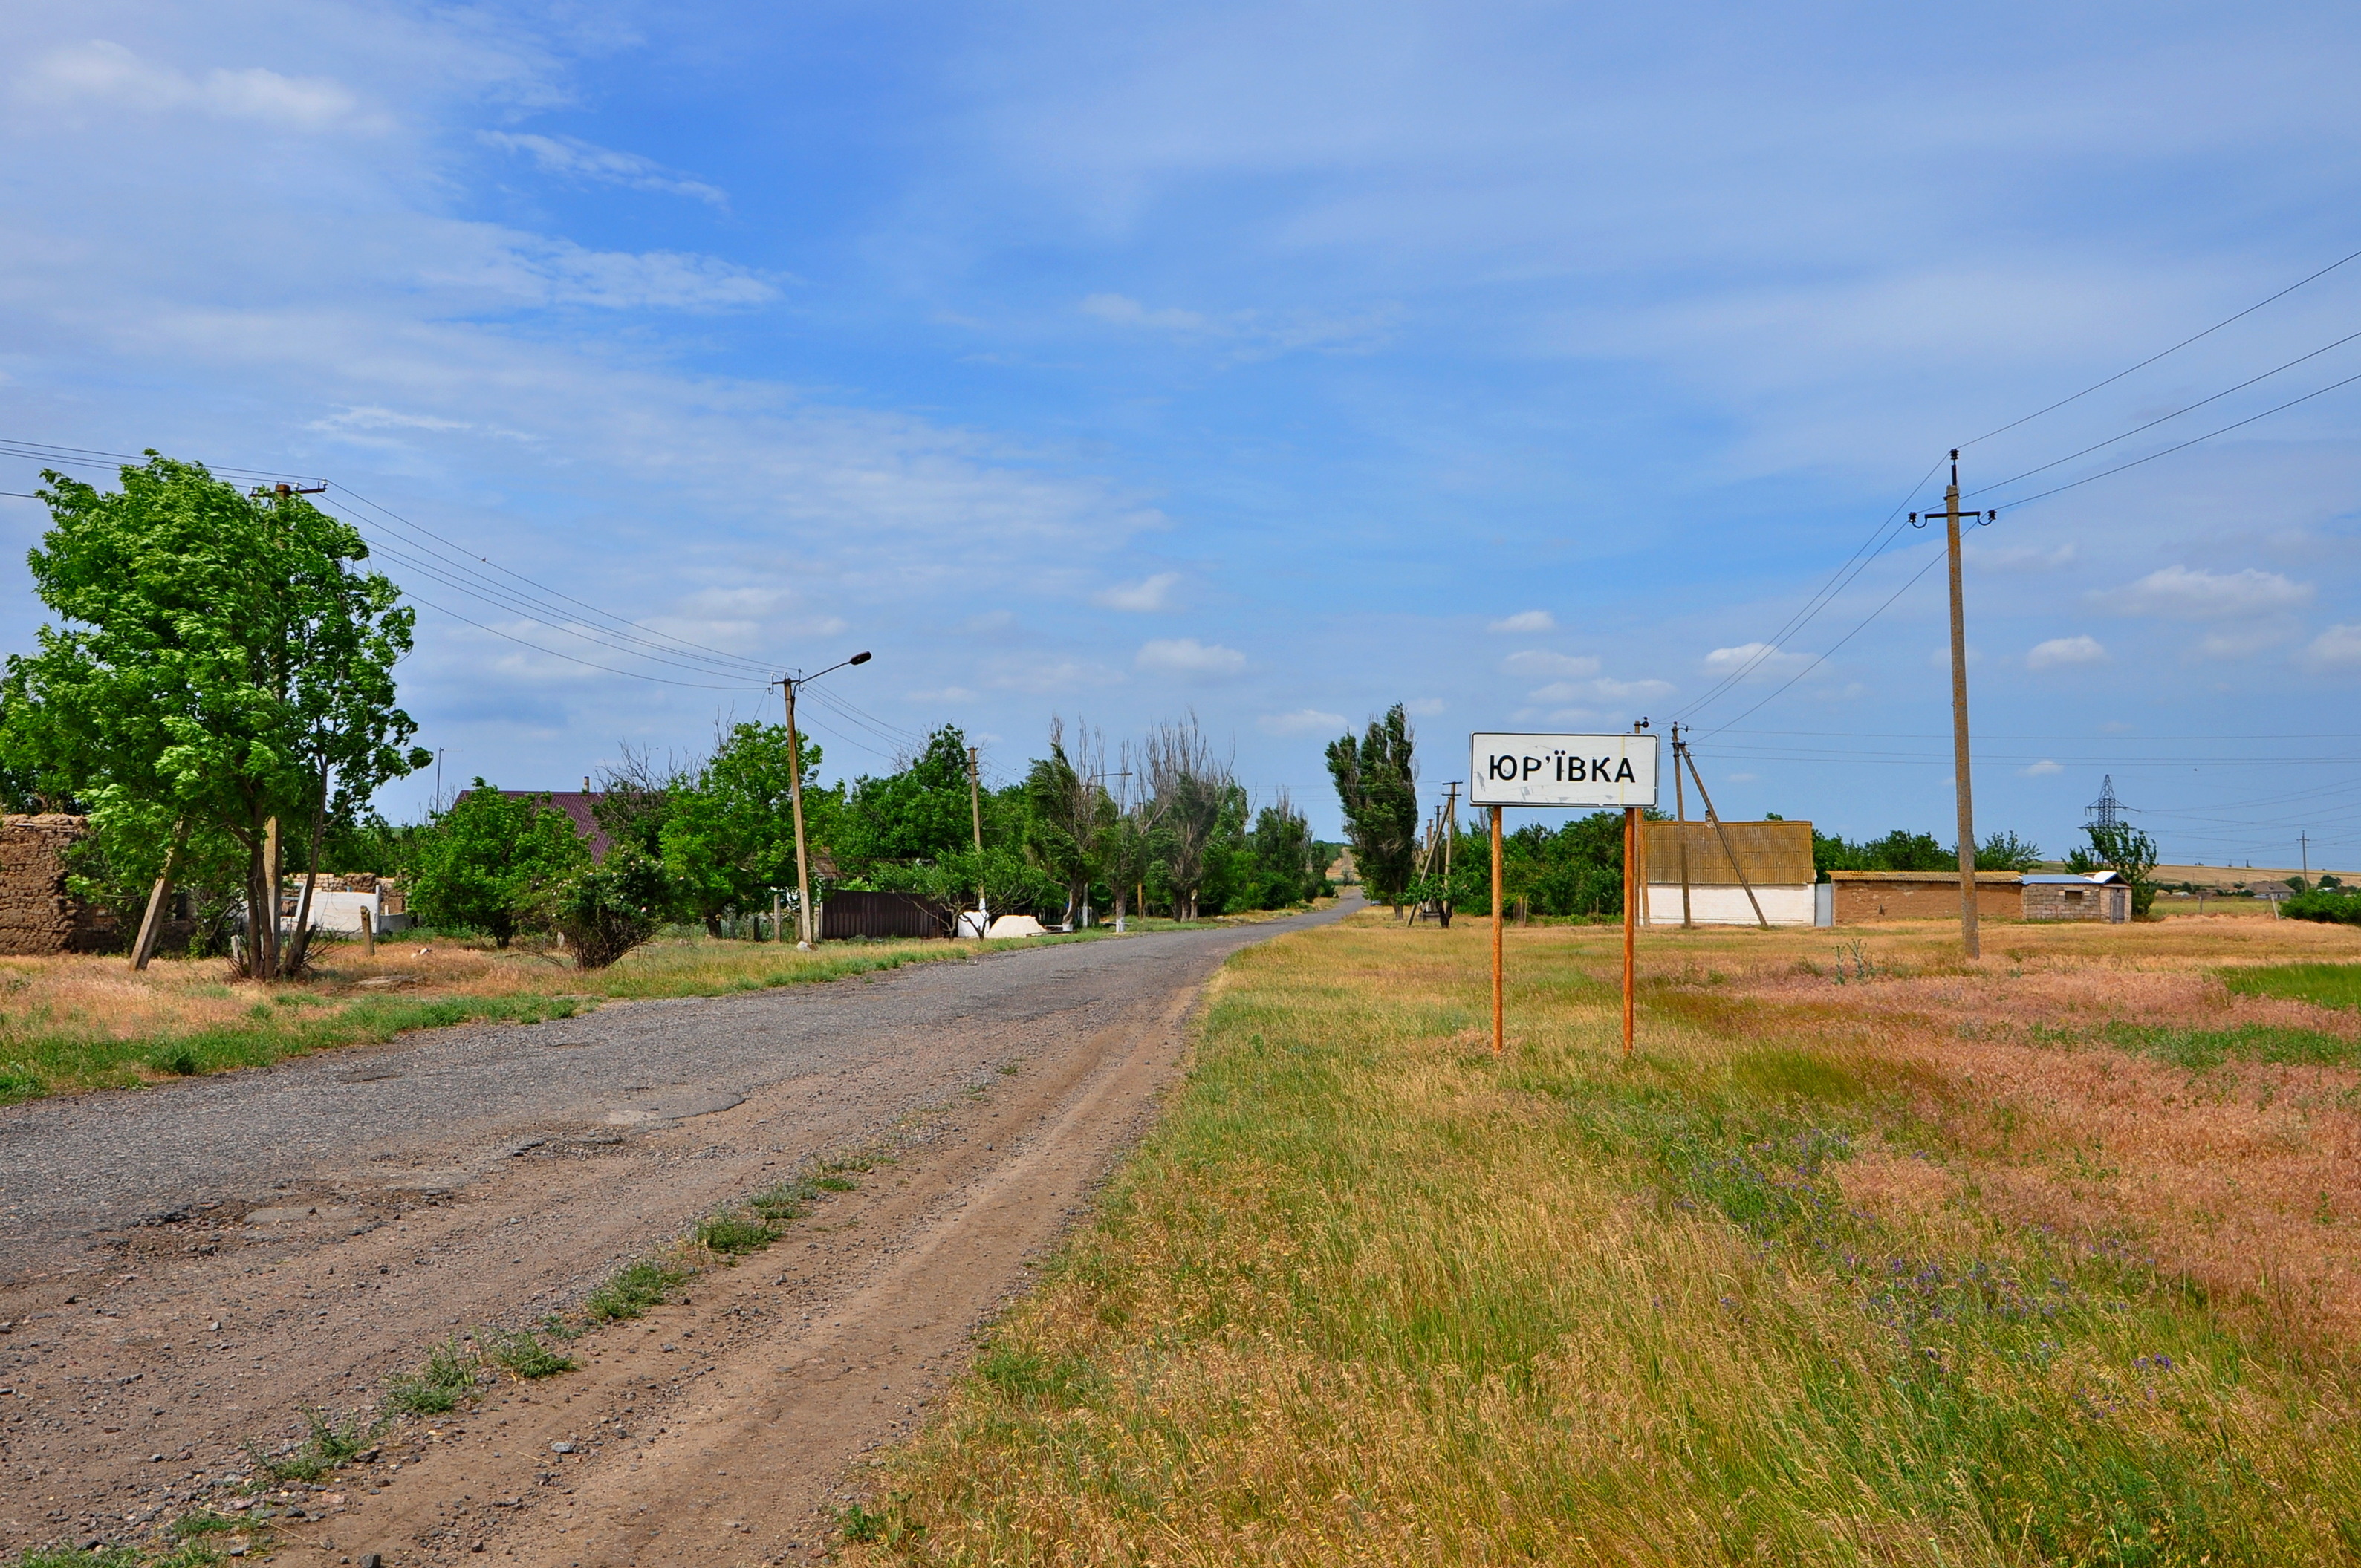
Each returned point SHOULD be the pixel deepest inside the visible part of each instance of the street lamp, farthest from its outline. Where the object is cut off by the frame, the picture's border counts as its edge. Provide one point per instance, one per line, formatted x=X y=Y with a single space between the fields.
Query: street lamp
x=789 y=683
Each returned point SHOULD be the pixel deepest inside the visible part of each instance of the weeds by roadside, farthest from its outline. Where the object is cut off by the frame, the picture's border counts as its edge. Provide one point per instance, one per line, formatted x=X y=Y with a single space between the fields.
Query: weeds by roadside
x=1369 y=1295
x=330 y=1443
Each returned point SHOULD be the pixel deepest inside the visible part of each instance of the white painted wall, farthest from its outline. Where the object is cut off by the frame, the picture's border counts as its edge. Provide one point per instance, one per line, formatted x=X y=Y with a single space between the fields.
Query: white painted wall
x=1717 y=905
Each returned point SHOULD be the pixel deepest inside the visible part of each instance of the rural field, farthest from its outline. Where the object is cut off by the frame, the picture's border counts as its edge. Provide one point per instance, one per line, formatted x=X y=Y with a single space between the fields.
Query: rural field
x=1862 y=1256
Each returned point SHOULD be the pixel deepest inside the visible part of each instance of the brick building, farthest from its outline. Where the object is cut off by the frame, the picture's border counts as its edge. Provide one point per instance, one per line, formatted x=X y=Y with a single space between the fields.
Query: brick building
x=1924 y=895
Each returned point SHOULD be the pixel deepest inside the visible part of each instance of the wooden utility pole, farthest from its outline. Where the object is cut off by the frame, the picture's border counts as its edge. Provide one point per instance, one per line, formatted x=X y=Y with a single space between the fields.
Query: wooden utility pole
x=975 y=814
x=1722 y=834
x=1500 y=1015
x=1681 y=815
x=1450 y=831
x=1960 y=712
x=795 y=794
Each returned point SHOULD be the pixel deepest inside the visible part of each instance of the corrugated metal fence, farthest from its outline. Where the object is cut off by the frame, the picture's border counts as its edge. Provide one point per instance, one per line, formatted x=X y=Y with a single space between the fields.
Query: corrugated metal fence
x=880 y=914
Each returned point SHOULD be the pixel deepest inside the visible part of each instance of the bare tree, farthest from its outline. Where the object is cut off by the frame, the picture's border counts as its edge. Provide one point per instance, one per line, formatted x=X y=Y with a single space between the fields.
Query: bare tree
x=1126 y=844
x=1189 y=786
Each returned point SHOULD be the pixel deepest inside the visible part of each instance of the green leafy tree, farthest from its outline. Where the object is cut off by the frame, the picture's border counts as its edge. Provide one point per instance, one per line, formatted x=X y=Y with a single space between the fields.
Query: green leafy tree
x=1376 y=785
x=2006 y=853
x=2130 y=853
x=1288 y=866
x=604 y=910
x=917 y=816
x=728 y=837
x=494 y=862
x=223 y=665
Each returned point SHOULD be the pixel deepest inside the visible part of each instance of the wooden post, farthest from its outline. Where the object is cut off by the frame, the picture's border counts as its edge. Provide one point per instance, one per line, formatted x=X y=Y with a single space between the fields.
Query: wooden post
x=266 y=953
x=368 y=934
x=1727 y=846
x=1630 y=915
x=1500 y=1019
x=152 y=925
x=975 y=813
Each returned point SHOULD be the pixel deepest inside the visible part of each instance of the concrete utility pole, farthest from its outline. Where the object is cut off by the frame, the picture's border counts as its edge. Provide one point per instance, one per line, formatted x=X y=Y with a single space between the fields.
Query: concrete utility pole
x=1959 y=708
x=1681 y=815
x=788 y=683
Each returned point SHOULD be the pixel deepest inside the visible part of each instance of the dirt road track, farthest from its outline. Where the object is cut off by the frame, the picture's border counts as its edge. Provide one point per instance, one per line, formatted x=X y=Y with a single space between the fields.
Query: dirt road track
x=524 y=1165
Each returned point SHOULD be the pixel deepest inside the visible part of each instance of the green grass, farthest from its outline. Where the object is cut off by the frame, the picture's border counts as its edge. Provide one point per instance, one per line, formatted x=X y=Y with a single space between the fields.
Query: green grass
x=188 y=1554
x=329 y=1443
x=522 y=1353
x=2202 y=1049
x=449 y=1378
x=1367 y=1295
x=2326 y=985
x=734 y=1235
x=635 y=1287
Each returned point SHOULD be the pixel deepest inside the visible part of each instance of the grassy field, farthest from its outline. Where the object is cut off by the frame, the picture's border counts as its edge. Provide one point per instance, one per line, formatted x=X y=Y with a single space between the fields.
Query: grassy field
x=1863 y=1257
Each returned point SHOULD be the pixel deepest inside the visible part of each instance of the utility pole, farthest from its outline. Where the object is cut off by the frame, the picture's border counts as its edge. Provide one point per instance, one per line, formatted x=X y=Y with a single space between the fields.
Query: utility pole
x=1959 y=709
x=1727 y=846
x=975 y=813
x=795 y=794
x=2303 y=845
x=1681 y=815
x=1450 y=831
x=788 y=683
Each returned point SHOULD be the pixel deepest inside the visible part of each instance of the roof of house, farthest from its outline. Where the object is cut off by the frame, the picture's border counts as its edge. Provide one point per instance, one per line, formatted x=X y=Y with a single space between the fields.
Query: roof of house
x=1774 y=854
x=1942 y=876
x=2103 y=878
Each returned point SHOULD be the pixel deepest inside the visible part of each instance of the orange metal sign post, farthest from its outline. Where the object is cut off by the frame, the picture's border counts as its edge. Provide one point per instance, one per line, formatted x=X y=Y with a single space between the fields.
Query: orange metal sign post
x=1632 y=875
x=1499 y=1015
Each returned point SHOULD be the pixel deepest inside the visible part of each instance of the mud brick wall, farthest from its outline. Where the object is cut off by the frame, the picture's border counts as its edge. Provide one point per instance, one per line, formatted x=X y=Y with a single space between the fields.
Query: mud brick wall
x=37 y=916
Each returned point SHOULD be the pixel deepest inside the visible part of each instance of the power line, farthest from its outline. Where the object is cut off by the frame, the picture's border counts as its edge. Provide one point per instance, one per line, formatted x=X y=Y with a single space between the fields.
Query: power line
x=2152 y=359
x=2162 y=418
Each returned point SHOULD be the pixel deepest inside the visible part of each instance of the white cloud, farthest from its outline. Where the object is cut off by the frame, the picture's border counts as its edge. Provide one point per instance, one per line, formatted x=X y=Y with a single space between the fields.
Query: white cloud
x=2018 y=558
x=1187 y=656
x=1604 y=689
x=2040 y=770
x=105 y=72
x=532 y=270
x=1126 y=311
x=1424 y=706
x=1741 y=778
x=1303 y=721
x=1527 y=621
x=2338 y=646
x=579 y=159
x=2063 y=650
x=1758 y=659
x=1048 y=675
x=945 y=694
x=1251 y=335
x=1536 y=661
x=1149 y=593
x=2197 y=595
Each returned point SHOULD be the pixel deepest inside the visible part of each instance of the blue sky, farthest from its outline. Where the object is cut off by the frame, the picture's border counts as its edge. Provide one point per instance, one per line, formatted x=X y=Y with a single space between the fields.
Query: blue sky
x=1532 y=365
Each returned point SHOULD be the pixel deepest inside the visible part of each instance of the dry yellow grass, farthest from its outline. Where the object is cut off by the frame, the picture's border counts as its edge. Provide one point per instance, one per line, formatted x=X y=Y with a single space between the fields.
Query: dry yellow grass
x=1817 y=1276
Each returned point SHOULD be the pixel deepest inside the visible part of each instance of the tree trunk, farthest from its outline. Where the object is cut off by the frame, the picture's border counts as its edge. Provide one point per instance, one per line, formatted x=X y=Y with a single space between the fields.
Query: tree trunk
x=303 y=942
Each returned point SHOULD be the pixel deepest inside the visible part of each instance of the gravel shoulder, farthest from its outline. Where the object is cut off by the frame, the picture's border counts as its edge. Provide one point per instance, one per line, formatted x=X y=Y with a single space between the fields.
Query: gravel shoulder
x=182 y=1268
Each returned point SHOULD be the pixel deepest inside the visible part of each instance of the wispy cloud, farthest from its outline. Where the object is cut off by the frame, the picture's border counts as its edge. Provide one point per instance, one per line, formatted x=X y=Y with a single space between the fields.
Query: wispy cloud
x=1303 y=721
x=1249 y=335
x=1187 y=656
x=1148 y=594
x=2192 y=593
x=104 y=72
x=1526 y=620
x=2060 y=652
x=2339 y=647
x=1534 y=663
x=1759 y=659
x=575 y=160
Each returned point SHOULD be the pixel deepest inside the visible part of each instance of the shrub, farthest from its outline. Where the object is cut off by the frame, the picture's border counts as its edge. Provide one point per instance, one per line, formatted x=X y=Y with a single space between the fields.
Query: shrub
x=612 y=909
x=2336 y=906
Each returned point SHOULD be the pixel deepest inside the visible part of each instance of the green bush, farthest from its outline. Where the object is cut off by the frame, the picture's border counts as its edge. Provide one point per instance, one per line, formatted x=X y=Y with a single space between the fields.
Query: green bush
x=2335 y=906
x=609 y=910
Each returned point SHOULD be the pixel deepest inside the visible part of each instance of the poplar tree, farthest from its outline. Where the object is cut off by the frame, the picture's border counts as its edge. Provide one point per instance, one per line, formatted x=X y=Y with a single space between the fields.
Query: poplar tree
x=1376 y=783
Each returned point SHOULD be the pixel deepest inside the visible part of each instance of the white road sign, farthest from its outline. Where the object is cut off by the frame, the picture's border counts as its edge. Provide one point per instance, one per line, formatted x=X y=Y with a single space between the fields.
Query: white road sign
x=1562 y=770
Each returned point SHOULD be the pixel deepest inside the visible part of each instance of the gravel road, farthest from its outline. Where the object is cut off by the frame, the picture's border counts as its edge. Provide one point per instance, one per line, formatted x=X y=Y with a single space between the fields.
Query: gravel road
x=182 y=1268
